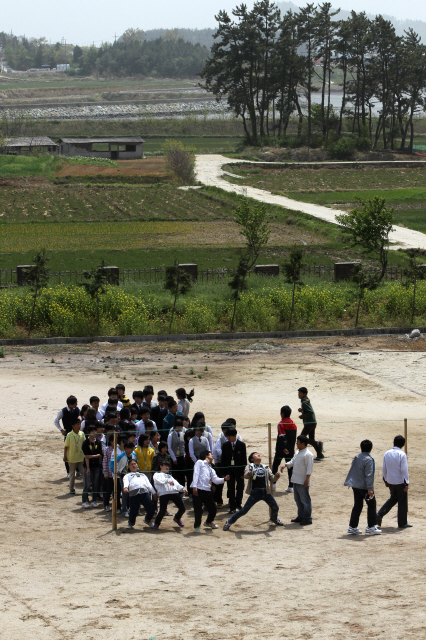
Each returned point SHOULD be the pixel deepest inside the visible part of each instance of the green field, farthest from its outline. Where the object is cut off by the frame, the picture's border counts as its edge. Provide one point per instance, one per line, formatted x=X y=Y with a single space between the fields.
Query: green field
x=402 y=188
x=83 y=220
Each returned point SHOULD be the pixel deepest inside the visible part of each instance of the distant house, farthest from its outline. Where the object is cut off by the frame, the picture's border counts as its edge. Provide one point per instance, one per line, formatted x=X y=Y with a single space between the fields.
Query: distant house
x=115 y=148
x=22 y=146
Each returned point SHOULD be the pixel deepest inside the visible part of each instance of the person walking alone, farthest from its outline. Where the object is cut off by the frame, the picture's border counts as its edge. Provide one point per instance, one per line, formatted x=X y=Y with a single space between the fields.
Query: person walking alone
x=395 y=477
x=361 y=479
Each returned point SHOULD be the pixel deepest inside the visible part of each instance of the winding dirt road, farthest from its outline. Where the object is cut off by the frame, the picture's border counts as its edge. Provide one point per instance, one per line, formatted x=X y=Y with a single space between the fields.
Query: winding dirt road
x=209 y=171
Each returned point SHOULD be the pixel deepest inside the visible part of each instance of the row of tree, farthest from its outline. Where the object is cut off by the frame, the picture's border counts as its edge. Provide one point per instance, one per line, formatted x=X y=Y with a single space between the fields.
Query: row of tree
x=168 y=57
x=23 y=53
x=268 y=66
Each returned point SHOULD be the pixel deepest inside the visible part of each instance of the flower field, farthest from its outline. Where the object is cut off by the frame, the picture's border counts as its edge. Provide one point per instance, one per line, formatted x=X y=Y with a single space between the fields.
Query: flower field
x=69 y=311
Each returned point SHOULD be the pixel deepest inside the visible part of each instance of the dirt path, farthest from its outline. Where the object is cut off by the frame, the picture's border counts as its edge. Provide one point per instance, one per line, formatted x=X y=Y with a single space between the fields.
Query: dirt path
x=209 y=171
x=144 y=167
x=66 y=576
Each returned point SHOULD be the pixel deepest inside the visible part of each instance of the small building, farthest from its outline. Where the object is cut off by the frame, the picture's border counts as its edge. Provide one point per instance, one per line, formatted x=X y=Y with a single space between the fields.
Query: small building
x=23 y=146
x=115 y=148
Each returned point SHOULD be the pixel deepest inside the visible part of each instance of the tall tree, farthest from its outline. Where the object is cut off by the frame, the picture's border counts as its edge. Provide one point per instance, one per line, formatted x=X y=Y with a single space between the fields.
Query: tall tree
x=308 y=33
x=325 y=44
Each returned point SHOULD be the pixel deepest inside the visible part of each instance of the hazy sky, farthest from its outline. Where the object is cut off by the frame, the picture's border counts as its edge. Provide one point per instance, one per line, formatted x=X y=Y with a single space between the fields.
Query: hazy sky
x=84 y=21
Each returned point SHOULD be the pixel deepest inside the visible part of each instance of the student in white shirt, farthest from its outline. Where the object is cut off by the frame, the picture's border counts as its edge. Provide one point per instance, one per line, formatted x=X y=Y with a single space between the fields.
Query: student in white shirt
x=112 y=395
x=184 y=400
x=139 y=489
x=199 y=443
x=203 y=478
x=395 y=476
x=168 y=489
x=199 y=416
x=303 y=465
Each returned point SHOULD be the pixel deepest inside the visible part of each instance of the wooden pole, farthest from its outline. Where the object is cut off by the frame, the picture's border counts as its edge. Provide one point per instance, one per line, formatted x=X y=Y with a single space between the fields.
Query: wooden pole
x=406 y=444
x=114 y=500
x=270 y=459
x=406 y=436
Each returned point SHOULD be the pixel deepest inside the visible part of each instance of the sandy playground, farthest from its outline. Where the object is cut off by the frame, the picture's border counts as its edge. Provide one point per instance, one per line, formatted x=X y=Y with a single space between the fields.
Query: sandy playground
x=66 y=576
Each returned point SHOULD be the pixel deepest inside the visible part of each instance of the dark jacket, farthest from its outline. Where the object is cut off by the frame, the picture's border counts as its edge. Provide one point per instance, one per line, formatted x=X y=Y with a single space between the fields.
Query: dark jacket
x=138 y=409
x=158 y=414
x=238 y=455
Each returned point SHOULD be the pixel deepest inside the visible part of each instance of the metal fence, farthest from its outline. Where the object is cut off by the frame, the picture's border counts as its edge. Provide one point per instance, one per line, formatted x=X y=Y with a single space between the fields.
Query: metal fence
x=152 y=275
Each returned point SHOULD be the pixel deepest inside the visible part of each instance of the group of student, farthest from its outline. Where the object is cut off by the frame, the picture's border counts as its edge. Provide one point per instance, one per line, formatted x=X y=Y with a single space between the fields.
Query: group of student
x=164 y=456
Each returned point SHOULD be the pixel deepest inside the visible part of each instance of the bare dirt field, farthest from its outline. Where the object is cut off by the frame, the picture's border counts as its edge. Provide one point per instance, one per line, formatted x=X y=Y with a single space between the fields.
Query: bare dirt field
x=65 y=575
x=143 y=167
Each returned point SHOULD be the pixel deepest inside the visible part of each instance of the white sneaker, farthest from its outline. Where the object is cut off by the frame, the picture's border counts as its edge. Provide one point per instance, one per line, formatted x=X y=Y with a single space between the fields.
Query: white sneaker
x=354 y=530
x=107 y=508
x=68 y=476
x=212 y=525
x=129 y=526
x=86 y=505
x=95 y=504
x=374 y=530
x=289 y=490
x=274 y=486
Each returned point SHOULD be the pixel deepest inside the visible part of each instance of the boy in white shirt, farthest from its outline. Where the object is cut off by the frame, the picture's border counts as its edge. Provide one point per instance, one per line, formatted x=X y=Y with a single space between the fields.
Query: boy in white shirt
x=139 y=489
x=303 y=464
x=203 y=478
x=168 y=489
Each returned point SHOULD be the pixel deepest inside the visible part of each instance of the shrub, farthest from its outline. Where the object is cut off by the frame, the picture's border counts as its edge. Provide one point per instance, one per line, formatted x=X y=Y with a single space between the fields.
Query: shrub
x=342 y=149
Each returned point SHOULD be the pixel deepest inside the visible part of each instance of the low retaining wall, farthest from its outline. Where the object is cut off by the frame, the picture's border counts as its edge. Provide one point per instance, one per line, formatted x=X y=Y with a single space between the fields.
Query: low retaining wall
x=184 y=337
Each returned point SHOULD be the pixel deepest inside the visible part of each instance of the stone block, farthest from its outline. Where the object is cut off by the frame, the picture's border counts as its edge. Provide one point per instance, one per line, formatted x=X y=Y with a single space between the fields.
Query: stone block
x=267 y=269
x=22 y=272
x=190 y=269
x=344 y=270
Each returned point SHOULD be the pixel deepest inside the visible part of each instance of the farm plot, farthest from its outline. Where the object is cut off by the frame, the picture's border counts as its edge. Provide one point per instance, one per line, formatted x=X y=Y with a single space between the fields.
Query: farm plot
x=402 y=188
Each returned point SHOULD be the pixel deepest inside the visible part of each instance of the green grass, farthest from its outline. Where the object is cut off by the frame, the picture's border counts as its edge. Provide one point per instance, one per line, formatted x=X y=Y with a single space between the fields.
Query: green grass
x=314 y=180
x=112 y=203
x=23 y=166
x=392 y=196
x=201 y=144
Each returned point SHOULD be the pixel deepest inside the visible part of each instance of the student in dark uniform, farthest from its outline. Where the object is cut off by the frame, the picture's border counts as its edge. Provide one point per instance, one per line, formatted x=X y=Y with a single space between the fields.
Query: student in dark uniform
x=67 y=414
x=234 y=459
x=309 y=422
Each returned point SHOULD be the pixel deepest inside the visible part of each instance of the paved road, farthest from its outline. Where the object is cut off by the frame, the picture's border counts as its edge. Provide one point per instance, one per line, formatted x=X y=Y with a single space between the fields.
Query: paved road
x=209 y=171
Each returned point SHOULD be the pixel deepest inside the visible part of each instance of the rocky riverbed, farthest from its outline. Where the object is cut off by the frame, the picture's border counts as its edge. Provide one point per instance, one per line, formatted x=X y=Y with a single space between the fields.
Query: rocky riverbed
x=90 y=112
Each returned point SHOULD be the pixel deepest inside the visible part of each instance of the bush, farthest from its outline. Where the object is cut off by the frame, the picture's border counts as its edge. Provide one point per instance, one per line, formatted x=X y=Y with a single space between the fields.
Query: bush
x=363 y=144
x=180 y=159
x=342 y=149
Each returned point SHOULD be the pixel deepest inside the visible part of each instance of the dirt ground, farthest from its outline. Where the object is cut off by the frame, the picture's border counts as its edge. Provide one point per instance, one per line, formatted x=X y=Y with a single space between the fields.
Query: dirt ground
x=143 y=167
x=65 y=575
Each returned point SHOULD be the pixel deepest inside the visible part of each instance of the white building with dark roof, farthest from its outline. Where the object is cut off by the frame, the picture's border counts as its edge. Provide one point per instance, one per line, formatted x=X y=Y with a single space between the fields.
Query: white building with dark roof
x=115 y=148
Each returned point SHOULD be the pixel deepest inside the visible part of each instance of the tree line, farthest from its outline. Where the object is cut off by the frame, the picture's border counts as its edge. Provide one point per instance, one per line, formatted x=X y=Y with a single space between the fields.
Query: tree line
x=268 y=66
x=169 y=56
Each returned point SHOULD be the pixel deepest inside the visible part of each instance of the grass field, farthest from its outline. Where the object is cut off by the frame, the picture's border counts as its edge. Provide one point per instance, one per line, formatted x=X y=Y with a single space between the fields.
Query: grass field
x=403 y=188
x=83 y=219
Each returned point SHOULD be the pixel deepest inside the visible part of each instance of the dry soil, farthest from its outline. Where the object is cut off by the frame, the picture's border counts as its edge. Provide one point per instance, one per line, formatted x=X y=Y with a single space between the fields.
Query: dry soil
x=65 y=575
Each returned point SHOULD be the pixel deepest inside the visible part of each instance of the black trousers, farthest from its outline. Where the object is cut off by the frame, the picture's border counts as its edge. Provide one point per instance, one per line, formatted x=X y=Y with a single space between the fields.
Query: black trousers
x=397 y=496
x=359 y=497
x=176 y=498
x=279 y=454
x=309 y=430
x=218 y=488
x=177 y=470
x=108 y=487
x=203 y=498
x=189 y=474
x=235 y=491
x=135 y=502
